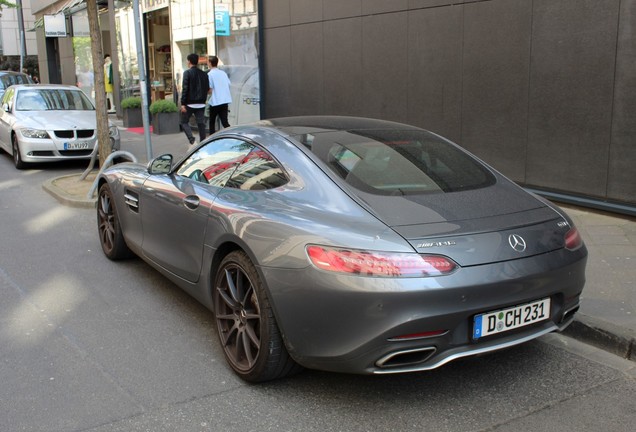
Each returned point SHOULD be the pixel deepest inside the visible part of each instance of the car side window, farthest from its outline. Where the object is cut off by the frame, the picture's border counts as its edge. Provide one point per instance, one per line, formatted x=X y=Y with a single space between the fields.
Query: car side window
x=215 y=162
x=257 y=171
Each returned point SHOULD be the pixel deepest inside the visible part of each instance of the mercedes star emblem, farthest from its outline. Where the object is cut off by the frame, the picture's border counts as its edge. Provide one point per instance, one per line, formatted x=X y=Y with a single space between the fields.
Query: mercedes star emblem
x=517 y=242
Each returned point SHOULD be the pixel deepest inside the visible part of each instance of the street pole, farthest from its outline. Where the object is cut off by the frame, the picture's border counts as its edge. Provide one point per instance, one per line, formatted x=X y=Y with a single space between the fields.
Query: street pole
x=21 y=30
x=142 y=79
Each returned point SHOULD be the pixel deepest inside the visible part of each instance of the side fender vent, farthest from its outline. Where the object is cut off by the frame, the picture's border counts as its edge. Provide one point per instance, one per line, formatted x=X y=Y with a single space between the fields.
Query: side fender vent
x=132 y=201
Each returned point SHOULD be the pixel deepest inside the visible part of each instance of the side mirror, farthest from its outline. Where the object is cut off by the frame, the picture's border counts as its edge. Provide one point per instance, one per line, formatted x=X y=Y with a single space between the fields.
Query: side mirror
x=5 y=107
x=161 y=164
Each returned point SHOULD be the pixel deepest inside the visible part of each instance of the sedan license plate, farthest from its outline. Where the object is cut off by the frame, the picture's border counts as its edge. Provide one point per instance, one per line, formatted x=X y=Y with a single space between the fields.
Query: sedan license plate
x=510 y=318
x=76 y=146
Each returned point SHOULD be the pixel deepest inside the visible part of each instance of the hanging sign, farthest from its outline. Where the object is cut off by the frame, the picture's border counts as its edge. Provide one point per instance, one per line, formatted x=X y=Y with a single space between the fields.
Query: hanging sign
x=80 y=25
x=151 y=5
x=55 y=25
x=222 y=19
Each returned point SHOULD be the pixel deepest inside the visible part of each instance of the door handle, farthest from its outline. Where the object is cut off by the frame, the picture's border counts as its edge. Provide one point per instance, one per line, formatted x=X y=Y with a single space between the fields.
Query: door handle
x=191 y=202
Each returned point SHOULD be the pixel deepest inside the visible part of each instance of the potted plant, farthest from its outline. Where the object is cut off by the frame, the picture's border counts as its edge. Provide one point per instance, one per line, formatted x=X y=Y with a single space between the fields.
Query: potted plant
x=165 y=117
x=131 y=107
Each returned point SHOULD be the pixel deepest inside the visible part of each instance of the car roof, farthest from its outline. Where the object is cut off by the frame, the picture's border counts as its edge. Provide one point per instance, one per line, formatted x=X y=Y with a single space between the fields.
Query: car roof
x=334 y=123
x=45 y=86
x=6 y=72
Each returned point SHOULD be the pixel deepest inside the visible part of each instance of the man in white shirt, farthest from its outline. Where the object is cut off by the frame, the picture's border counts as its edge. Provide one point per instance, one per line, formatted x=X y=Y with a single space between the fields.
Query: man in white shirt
x=221 y=97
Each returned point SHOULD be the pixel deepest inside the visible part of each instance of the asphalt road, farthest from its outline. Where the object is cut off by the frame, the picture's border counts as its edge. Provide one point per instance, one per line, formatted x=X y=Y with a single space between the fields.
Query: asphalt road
x=91 y=345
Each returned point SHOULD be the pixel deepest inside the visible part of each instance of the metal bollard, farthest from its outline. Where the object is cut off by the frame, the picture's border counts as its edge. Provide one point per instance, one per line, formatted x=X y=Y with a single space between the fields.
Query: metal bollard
x=108 y=162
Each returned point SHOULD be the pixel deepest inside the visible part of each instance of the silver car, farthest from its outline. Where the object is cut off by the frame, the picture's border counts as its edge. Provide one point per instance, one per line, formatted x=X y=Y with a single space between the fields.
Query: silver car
x=347 y=244
x=47 y=123
x=9 y=78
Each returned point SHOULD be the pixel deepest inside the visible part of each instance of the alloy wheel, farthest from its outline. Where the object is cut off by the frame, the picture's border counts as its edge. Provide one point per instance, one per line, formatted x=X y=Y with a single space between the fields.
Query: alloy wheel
x=106 y=221
x=238 y=317
x=17 y=159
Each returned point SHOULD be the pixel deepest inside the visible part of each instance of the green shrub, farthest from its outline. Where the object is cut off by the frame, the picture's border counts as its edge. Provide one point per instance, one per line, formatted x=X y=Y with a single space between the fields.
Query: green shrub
x=131 y=102
x=163 y=106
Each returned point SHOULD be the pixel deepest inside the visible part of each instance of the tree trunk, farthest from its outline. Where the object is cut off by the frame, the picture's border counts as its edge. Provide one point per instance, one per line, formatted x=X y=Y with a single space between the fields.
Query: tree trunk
x=100 y=89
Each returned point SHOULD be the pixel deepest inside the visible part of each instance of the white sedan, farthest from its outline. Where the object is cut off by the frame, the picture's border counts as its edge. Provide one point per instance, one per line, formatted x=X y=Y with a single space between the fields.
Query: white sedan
x=47 y=123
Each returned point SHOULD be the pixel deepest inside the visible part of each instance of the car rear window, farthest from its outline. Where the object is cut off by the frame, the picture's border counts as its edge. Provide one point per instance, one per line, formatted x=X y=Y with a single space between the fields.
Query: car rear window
x=397 y=162
x=11 y=79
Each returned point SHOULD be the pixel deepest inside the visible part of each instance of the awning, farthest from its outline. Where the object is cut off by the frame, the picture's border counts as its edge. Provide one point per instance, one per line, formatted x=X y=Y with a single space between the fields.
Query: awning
x=68 y=6
x=62 y=7
x=37 y=24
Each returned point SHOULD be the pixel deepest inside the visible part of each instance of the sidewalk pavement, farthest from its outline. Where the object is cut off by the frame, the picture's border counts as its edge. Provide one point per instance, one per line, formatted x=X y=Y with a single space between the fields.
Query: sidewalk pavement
x=607 y=317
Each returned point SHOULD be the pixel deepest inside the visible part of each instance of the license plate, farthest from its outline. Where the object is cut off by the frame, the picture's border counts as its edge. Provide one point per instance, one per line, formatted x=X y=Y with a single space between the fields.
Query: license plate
x=76 y=146
x=511 y=318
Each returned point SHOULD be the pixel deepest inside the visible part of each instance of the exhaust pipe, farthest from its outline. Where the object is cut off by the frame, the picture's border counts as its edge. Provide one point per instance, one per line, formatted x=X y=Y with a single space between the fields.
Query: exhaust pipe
x=406 y=357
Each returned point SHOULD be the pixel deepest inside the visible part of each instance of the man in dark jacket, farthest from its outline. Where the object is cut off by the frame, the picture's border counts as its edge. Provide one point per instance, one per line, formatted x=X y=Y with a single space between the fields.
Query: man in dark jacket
x=194 y=92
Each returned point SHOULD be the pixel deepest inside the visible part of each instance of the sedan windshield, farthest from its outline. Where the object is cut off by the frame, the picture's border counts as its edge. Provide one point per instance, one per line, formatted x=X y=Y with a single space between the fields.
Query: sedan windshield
x=52 y=99
x=397 y=162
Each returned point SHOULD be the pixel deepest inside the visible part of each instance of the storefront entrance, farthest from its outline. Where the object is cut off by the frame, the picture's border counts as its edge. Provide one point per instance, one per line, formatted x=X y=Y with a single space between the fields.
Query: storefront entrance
x=159 y=54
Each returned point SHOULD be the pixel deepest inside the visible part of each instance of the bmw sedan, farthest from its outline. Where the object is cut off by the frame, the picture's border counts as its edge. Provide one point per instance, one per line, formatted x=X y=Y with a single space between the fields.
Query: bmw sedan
x=347 y=244
x=46 y=123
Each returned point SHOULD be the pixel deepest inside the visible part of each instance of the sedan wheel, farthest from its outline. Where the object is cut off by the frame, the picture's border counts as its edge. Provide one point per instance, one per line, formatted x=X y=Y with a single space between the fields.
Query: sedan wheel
x=110 y=235
x=17 y=158
x=247 y=329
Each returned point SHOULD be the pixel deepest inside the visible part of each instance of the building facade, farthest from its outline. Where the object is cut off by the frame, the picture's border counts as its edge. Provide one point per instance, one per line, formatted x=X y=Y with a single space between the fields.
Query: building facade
x=543 y=90
x=10 y=37
x=10 y=30
x=170 y=31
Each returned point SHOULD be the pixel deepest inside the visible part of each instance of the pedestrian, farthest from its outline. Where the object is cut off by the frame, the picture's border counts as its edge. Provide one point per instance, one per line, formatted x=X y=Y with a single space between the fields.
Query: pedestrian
x=194 y=91
x=221 y=98
x=85 y=81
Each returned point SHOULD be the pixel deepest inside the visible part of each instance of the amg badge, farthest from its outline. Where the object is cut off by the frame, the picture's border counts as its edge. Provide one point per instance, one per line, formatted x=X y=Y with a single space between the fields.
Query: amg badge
x=436 y=244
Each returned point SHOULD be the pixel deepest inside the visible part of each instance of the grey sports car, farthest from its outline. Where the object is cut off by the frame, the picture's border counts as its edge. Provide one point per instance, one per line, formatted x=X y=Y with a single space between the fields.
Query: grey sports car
x=347 y=244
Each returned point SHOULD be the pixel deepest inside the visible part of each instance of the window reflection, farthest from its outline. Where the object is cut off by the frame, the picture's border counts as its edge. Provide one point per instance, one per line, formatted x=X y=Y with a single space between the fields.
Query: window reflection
x=233 y=163
x=215 y=162
x=257 y=171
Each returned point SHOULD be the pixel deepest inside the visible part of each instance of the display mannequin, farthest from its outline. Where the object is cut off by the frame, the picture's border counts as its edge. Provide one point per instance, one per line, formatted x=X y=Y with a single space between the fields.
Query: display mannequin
x=108 y=83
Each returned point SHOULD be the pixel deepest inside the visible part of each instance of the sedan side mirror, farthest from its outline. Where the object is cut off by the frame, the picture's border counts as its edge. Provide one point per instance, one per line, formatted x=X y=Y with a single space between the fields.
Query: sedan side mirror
x=5 y=107
x=161 y=164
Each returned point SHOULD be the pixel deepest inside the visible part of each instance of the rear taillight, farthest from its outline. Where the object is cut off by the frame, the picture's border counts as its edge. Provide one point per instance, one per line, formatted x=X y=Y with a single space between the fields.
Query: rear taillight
x=573 y=239
x=379 y=264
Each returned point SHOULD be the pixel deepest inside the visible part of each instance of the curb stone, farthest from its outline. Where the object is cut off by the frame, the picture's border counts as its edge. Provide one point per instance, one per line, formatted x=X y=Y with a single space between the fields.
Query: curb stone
x=65 y=198
x=604 y=335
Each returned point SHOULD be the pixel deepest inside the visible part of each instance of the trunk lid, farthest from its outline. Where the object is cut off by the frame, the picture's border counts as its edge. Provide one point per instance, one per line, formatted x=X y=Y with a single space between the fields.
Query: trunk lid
x=493 y=224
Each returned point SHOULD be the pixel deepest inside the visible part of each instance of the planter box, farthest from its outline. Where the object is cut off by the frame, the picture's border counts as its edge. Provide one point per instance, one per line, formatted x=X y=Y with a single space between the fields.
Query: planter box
x=165 y=123
x=133 y=118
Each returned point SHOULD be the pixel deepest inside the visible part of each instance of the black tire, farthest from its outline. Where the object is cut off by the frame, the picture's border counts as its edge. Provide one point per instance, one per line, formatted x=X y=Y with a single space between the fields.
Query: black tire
x=17 y=158
x=249 y=335
x=109 y=228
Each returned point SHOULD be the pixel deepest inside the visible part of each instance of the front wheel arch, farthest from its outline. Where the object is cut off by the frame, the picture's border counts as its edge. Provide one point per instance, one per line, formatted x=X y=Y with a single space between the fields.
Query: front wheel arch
x=15 y=151
x=109 y=226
